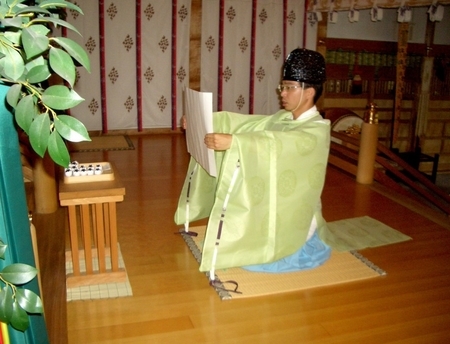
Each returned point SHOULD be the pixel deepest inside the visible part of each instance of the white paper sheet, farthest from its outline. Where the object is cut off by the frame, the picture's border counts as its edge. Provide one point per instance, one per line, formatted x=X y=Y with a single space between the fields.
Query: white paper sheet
x=199 y=122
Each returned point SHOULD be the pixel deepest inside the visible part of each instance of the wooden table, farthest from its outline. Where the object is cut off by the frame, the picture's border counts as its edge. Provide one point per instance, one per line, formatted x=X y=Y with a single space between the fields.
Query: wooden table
x=93 y=229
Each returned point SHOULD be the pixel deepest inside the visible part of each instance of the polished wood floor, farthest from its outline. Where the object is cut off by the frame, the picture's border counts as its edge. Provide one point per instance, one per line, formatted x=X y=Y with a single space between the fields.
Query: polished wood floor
x=172 y=302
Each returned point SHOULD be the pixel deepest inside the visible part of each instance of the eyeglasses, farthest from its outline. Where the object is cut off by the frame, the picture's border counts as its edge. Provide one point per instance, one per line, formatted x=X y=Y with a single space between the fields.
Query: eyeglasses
x=288 y=88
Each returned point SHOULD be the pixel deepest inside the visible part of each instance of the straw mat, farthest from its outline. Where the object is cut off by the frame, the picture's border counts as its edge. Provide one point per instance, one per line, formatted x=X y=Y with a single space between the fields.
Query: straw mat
x=102 y=143
x=358 y=233
x=342 y=267
x=98 y=291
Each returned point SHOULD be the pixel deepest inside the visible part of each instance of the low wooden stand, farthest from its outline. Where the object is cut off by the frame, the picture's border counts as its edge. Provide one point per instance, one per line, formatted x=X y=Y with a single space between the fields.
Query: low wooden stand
x=93 y=230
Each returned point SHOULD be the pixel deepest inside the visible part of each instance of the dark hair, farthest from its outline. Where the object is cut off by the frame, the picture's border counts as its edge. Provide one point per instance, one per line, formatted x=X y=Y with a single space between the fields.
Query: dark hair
x=317 y=87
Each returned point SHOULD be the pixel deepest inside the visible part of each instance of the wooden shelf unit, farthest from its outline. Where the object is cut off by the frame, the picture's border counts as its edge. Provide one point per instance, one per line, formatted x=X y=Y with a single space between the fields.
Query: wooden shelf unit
x=376 y=65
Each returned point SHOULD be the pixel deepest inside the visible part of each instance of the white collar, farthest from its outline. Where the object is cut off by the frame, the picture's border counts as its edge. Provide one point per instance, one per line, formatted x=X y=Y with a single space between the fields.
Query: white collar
x=307 y=114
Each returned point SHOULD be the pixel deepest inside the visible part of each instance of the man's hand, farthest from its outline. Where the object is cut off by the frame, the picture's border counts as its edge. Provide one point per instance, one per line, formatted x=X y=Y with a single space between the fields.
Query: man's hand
x=218 y=142
x=184 y=122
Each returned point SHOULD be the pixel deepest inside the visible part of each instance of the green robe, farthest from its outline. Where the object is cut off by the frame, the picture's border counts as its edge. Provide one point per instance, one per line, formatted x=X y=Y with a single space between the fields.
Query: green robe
x=265 y=212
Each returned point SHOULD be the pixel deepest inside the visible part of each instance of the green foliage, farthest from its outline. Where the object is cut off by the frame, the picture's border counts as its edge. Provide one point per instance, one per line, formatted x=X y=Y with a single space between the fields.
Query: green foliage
x=29 y=56
x=16 y=302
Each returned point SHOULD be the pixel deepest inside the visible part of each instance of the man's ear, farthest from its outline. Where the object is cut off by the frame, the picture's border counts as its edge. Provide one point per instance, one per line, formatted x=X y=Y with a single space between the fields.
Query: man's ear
x=310 y=92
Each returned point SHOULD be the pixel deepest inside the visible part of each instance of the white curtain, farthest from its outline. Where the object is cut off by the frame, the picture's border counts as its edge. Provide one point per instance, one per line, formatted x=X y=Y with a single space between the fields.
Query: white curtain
x=139 y=52
x=88 y=84
x=140 y=62
x=244 y=44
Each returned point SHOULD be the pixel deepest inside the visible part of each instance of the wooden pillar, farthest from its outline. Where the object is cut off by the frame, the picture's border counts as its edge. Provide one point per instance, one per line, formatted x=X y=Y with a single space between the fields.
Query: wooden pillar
x=45 y=195
x=402 y=49
x=321 y=47
x=424 y=91
x=424 y=96
x=195 y=41
x=368 y=146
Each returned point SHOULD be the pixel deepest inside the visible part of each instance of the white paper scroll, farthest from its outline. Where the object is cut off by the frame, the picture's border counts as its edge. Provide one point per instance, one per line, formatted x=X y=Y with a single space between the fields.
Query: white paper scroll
x=199 y=122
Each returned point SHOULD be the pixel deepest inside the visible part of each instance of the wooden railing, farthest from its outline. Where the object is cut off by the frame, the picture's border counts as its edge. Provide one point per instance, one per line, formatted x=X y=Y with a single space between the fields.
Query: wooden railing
x=344 y=155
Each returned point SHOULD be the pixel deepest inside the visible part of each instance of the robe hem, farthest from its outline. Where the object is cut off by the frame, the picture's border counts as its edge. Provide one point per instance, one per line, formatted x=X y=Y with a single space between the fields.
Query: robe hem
x=223 y=294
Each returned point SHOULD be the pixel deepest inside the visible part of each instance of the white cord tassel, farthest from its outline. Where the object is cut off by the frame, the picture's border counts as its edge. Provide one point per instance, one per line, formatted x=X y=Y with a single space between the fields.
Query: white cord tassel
x=224 y=209
x=186 y=223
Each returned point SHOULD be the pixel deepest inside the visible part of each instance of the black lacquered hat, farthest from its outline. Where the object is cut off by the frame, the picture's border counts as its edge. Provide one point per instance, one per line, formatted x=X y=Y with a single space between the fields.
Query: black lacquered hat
x=305 y=65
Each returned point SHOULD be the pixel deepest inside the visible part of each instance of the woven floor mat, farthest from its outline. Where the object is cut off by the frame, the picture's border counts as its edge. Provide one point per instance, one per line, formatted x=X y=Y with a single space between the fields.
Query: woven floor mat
x=342 y=267
x=102 y=143
x=99 y=291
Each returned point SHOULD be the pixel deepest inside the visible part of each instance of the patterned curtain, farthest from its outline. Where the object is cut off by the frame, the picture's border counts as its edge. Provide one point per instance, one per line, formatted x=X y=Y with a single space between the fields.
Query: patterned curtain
x=244 y=44
x=139 y=53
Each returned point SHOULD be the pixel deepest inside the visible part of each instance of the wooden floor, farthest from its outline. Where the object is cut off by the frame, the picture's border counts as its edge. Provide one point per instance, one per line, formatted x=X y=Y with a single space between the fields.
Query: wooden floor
x=172 y=302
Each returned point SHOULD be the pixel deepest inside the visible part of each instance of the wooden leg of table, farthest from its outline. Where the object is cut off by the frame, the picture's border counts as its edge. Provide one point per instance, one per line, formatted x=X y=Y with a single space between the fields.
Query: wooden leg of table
x=94 y=224
x=73 y=230
x=113 y=235
x=107 y=224
x=85 y=219
x=100 y=237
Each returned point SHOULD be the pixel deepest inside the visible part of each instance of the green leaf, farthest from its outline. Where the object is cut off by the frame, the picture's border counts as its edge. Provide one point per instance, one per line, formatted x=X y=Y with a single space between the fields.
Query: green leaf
x=56 y=21
x=40 y=29
x=13 y=36
x=14 y=22
x=60 y=3
x=3 y=248
x=58 y=150
x=71 y=128
x=6 y=304
x=19 y=319
x=25 y=113
x=18 y=273
x=38 y=74
x=33 y=9
x=75 y=50
x=60 y=97
x=39 y=133
x=3 y=10
x=5 y=39
x=62 y=64
x=37 y=61
x=15 y=5
x=34 y=43
x=12 y=63
x=14 y=2
x=29 y=301
x=14 y=94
